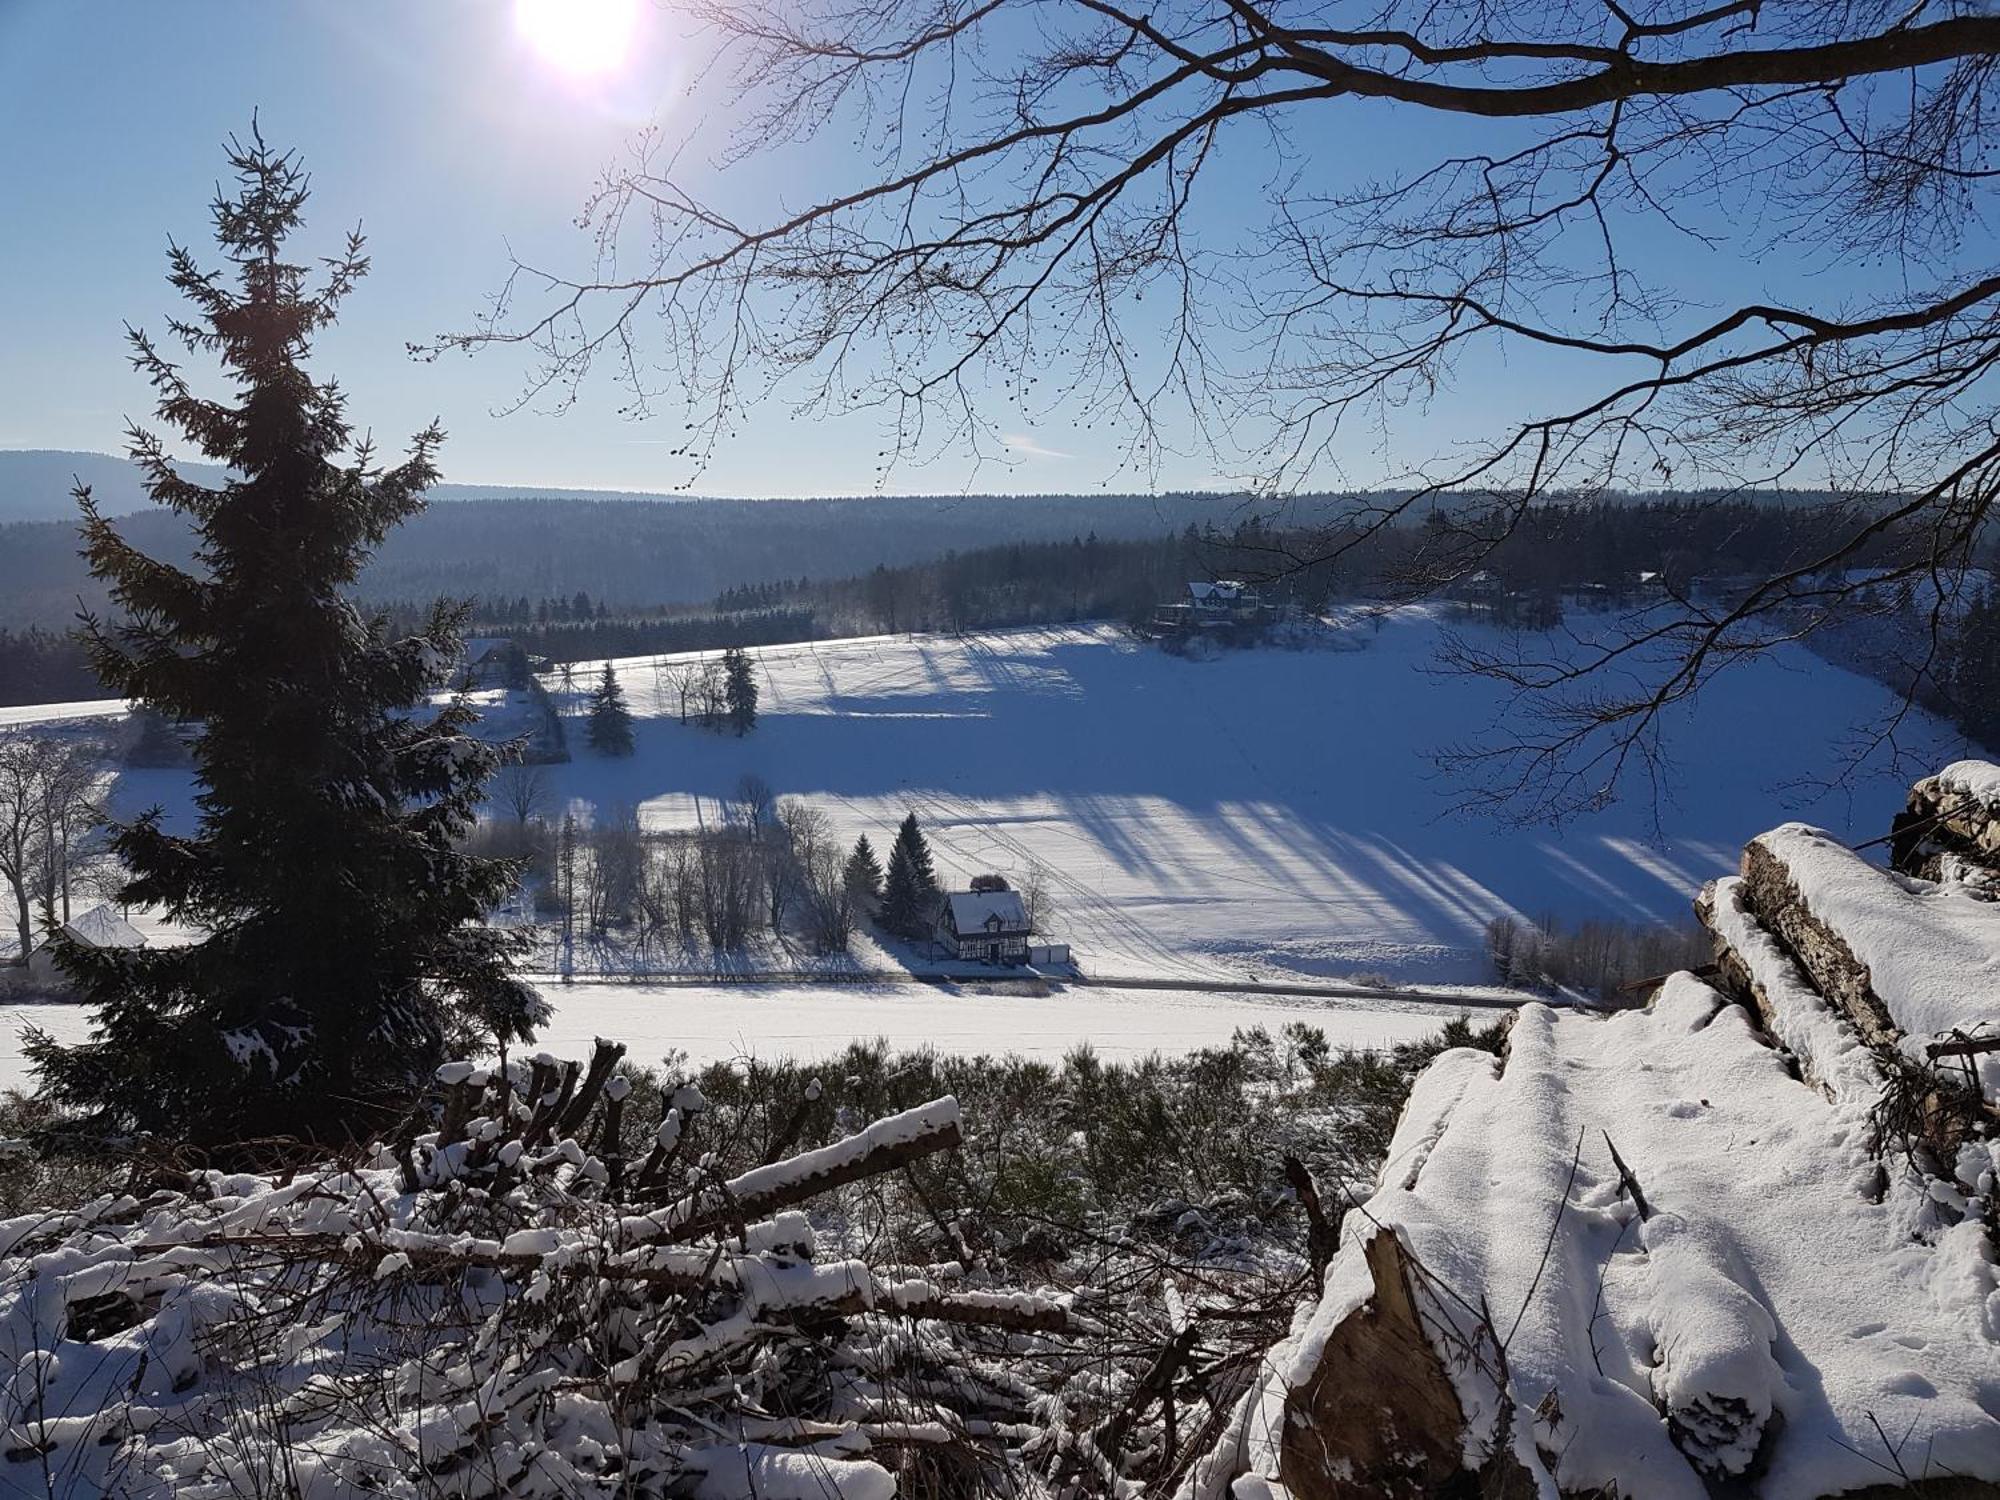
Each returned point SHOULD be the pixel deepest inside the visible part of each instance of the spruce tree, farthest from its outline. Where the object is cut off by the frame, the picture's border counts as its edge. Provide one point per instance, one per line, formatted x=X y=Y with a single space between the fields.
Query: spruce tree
x=740 y=689
x=911 y=886
x=341 y=938
x=610 y=720
x=1969 y=668
x=863 y=875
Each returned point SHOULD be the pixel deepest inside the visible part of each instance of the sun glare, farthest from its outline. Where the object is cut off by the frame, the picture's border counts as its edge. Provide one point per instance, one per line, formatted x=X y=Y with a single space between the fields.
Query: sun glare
x=578 y=36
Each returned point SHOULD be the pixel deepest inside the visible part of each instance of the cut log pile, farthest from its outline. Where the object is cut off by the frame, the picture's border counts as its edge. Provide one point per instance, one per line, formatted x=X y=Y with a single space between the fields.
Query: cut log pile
x=523 y=1300
x=1740 y=1241
x=1950 y=831
x=1816 y=936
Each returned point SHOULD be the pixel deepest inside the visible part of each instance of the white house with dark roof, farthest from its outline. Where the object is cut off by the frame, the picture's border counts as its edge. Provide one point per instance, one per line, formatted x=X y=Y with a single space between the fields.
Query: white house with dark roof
x=1225 y=597
x=988 y=924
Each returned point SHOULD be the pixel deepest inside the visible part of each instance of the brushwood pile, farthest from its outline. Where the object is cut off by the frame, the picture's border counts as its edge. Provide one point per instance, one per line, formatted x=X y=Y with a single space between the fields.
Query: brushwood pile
x=1740 y=1241
x=537 y=1295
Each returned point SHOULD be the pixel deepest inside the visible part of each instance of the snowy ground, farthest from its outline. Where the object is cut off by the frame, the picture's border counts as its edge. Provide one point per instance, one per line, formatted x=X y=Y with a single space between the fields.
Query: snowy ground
x=108 y=709
x=1269 y=815
x=773 y=1021
x=714 y=1023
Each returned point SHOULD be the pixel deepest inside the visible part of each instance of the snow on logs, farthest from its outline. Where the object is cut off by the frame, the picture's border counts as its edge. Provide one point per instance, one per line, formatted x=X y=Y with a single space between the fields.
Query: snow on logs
x=1687 y=1250
x=1912 y=965
x=1951 y=828
x=1503 y=1304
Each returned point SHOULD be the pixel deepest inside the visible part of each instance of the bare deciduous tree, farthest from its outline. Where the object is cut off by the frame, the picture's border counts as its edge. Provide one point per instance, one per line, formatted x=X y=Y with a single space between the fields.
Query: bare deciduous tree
x=1569 y=187
x=726 y=882
x=1036 y=885
x=616 y=866
x=754 y=802
x=50 y=789
x=831 y=907
x=523 y=790
x=710 y=692
x=681 y=682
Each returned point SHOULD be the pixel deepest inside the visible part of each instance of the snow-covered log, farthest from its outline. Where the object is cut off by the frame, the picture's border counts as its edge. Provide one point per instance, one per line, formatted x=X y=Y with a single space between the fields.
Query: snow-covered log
x=1753 y=964
x=1913 y=965
x=1716 y=1377
x=1798 y=1316
x=882 y=1147
x=1773 y=866
x=1950 y=831
x=1377 y=1410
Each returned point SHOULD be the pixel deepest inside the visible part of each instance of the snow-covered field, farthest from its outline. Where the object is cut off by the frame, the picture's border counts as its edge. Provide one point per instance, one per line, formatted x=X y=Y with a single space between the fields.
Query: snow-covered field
x=1270 y=814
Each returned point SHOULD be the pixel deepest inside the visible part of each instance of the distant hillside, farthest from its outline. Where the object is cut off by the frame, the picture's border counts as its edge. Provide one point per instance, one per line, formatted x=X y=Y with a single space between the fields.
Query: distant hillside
x=626 y=554
x=35 y=485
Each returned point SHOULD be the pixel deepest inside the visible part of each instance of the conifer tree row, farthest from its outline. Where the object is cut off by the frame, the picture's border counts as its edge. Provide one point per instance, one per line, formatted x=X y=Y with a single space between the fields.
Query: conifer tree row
x=341 y=939
x=610 y=720
x=911 y=889
x=740 y=689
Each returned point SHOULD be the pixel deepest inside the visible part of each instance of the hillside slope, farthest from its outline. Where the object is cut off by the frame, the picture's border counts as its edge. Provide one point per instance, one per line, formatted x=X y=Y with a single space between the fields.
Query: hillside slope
x=1271 y=812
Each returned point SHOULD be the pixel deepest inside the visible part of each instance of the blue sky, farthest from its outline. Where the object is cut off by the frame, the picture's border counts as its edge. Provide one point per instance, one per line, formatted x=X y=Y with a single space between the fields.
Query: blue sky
x=441 y=129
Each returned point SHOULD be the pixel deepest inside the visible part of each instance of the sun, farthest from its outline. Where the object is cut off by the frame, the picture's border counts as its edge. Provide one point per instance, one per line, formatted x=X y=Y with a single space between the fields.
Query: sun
x=579 y=36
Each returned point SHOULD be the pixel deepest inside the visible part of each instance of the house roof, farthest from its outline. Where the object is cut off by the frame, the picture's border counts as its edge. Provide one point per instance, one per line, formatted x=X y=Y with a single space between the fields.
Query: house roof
x=102 y=927
x=1222 y=590
x=970 y=910
x=479 y=647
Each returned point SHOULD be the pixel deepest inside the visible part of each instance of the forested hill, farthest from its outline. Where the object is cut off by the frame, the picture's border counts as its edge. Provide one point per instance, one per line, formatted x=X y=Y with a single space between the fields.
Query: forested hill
x=35 y=485
x=632 y=554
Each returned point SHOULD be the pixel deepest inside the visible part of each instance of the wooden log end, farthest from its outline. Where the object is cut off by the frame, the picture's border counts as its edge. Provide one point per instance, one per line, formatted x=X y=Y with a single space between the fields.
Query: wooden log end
x=1378 y=1415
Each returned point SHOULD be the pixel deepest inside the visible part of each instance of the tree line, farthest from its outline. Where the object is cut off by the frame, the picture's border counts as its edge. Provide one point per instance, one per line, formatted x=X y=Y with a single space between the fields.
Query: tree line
x=1558 y=545
x=770 y=868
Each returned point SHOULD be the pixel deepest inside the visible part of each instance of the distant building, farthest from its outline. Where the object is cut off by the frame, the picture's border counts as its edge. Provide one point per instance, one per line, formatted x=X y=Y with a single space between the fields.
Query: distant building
x=1219 y=605
x=100 y=927
x=1225 y=598
x=486 y=660
x=1481 y=587
x=987 y=924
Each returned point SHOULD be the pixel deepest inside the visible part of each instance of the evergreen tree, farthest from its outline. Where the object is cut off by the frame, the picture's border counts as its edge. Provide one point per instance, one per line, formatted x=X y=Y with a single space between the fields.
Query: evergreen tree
x=863 y=875
x=911 y=887
x=153 y=741
x=341 y=921
x=740 y=689
x=515 y=671
x=1969 y=669
x=610 y=720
